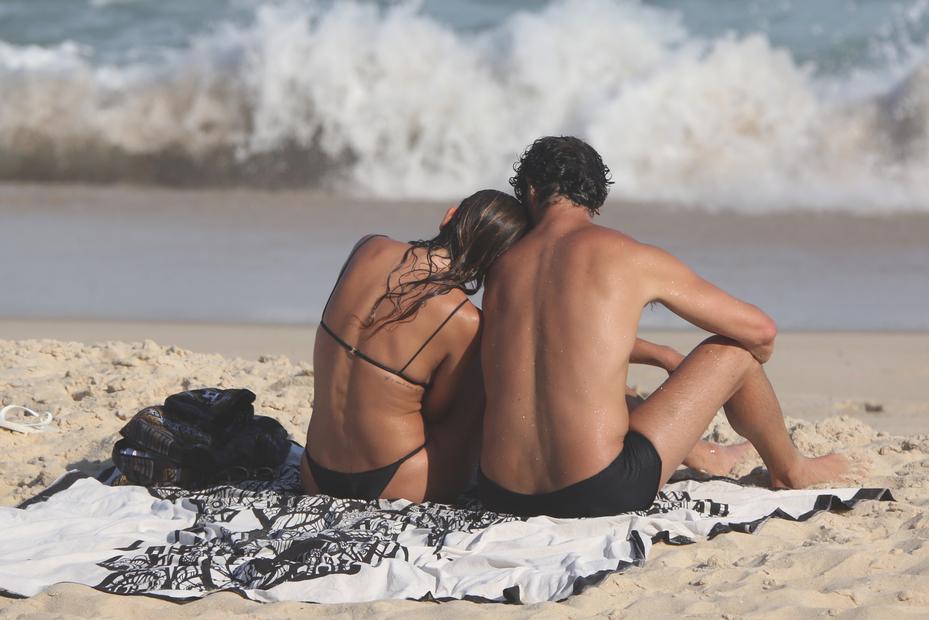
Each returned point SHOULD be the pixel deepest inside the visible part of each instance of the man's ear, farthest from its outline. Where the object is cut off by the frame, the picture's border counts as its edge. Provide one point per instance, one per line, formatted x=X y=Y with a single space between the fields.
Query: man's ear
x=531 y=195
x=448 y=216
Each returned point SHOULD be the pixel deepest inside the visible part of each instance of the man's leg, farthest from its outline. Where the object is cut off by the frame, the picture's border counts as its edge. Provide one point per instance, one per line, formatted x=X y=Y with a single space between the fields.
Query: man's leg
x=720 y=372
x=713 y=458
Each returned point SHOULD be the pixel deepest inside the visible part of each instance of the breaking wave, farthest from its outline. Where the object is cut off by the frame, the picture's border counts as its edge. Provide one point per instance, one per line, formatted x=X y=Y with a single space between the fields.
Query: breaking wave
x=389 y=102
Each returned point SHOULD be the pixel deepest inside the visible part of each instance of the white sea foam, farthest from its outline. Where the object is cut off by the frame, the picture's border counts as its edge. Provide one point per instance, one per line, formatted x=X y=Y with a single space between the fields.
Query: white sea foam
x=391 y=103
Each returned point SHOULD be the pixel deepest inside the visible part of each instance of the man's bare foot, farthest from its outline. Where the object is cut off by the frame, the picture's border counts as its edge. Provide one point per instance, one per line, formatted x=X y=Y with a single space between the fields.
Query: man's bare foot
x=717 y=459
x=809 y=471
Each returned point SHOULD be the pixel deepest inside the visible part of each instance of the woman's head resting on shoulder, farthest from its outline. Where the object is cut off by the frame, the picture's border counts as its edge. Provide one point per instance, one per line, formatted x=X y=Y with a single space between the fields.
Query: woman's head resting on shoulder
x=471 y=237
x=476 y=233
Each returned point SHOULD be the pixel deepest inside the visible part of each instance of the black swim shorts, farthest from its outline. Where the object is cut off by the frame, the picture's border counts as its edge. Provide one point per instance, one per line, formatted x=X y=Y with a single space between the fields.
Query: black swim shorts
x=629 y=483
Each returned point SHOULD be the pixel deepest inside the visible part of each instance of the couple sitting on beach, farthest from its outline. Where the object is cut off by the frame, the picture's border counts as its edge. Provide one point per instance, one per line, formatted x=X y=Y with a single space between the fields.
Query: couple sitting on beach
x=415 y=388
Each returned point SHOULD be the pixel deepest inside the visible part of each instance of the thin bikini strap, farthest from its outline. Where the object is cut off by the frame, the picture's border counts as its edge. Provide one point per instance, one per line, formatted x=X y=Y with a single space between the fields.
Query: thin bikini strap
x=437 y=330
x=360 y=354
x=410 y=455
x=342 y=271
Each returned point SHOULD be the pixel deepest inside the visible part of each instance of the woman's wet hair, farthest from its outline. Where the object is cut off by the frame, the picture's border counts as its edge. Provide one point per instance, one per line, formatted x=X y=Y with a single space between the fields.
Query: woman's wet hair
x=562 y=166
x=483 y=227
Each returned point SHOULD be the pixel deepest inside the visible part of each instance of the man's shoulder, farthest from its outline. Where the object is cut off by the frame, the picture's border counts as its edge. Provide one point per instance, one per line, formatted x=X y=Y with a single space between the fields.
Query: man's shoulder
x=602 y=239
x=607 y=254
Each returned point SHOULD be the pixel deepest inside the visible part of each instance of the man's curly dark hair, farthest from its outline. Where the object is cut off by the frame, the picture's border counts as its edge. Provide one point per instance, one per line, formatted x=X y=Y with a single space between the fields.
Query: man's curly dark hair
x=562 y=166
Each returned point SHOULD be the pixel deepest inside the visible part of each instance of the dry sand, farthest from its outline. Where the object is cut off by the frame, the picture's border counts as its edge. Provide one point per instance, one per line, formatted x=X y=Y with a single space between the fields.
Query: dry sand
x=862 y=393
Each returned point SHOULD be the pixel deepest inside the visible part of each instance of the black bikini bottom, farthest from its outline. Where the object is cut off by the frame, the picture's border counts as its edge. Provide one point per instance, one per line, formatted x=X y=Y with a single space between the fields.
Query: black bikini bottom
x=358 y=485
x=629 y=483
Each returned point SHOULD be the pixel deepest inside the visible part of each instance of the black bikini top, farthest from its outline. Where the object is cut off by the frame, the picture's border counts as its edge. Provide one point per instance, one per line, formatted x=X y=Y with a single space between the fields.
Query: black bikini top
x=354 y=352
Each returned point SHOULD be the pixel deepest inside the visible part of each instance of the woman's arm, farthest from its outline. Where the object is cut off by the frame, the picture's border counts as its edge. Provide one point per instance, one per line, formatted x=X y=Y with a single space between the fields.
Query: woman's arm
x=457 y=382
x=651 y=354
x=453 y=430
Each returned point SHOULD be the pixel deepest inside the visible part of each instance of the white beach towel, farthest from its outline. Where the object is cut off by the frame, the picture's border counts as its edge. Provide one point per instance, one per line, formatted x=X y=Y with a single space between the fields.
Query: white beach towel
x=270 y=542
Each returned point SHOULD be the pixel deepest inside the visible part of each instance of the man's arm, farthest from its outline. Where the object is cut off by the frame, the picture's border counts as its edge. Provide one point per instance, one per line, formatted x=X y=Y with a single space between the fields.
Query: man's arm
x=676 y=286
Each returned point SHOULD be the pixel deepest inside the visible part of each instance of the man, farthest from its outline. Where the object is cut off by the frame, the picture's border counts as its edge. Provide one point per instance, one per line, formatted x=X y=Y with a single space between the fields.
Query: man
x=561 y=310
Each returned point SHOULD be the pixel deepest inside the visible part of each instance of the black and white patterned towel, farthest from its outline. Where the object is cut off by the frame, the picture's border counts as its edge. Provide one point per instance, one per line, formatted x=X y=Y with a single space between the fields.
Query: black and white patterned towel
x=270 y=542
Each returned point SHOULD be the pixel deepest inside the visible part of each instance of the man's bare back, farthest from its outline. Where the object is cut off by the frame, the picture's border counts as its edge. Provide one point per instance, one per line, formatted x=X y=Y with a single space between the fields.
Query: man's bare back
x=561 y=311
x=563 y=307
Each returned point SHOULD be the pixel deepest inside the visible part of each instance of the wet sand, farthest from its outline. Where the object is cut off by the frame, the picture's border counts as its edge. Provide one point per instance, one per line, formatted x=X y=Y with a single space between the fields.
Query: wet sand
x=221 y=256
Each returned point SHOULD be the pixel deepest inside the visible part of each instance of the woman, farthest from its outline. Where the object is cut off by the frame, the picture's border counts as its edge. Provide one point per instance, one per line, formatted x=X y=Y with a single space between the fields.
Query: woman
x=398 y=395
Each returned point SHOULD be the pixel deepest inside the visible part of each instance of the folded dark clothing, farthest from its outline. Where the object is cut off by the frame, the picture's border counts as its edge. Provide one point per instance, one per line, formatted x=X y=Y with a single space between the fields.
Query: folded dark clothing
x=201 y=437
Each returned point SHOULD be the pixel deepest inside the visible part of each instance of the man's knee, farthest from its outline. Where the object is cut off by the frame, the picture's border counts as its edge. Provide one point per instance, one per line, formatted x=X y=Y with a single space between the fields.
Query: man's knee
x=726 y=350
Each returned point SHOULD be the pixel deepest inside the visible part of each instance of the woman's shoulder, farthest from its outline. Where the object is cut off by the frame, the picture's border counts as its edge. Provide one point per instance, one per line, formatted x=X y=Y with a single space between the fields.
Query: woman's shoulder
x=463 y=316
x=375 y=240
x=375 y=245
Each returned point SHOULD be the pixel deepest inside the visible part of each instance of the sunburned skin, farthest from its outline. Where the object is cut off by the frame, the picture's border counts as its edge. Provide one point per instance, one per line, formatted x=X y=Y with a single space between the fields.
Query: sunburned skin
x=561 y=311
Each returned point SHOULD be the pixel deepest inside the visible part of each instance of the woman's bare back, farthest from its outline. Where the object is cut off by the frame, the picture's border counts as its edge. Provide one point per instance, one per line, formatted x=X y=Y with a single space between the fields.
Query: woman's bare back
x=379 y=387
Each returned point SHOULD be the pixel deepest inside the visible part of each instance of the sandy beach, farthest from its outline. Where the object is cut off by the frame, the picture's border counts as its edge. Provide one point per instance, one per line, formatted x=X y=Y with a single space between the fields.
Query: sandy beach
x=862 y=393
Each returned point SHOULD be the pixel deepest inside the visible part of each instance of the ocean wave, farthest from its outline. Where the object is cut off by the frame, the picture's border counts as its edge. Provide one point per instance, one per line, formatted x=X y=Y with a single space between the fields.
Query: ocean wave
x=388 y=102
